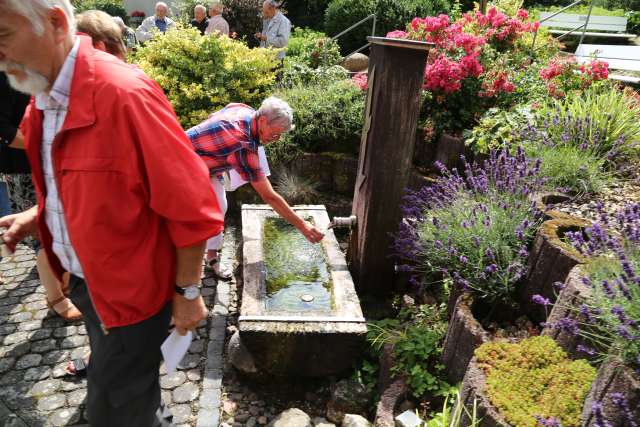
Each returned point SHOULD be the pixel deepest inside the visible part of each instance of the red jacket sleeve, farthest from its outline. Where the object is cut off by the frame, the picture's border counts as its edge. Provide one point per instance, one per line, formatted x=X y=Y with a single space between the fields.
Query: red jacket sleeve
x=176 y=179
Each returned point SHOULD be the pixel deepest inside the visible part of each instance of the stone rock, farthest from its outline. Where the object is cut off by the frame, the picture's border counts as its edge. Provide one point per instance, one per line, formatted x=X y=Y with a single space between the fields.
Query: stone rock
x=65 y=417
x=181 y=413
x=356 y=62
x=293 y=417
x=186 y=393
x=251 y=422
x=239 y=355
x=49 y=403
x=173 y=380
x=351 y=420
x=262 y=420
x=322 y=422
x=347 y=396
x=28 y=361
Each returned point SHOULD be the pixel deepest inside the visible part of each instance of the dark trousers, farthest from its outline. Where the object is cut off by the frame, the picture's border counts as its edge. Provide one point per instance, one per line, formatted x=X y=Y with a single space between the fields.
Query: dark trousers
x=123 y=372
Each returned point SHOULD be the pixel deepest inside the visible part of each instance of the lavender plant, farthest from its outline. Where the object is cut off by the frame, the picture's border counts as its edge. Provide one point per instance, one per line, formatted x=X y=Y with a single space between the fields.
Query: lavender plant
x=610 y=320
x=473 y=228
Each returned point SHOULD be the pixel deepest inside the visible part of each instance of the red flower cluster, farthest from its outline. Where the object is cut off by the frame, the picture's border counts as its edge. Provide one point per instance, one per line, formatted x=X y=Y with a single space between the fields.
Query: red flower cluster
x=496 y=83
x=596 y=70
x=397 y=34
x=498 y=27
x=361 y=80
x=444 y=75
x=563 y=74
x=138 y=14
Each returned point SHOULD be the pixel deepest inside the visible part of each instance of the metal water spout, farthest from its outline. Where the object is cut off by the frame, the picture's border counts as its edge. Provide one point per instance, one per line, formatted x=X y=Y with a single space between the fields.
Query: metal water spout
x=343 y=222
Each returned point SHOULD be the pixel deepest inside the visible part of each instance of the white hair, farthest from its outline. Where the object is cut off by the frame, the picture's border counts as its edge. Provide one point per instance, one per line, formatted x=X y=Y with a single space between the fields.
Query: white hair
x=161 y=3
x=217 y=6
x=272 y=3
x=33 y=9
x=200 y=7
x=275 y=110
x=119 y=22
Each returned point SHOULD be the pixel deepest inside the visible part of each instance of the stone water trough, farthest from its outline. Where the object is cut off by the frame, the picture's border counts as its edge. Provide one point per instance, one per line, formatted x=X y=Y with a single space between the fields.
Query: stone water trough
x=300 y=314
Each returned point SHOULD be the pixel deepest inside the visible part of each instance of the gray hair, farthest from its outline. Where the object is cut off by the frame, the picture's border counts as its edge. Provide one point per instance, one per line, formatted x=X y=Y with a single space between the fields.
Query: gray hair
x=278 y=111
x=161 y=3
x=200 y=7
x=272 y=3
x=119 y=22
x=217 y=6
x=30 y=9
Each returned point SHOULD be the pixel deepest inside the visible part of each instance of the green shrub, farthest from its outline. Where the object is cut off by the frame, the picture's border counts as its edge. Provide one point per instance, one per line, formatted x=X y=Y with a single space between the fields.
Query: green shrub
x=633 y=22
x=496 y=129
x=299 y=74
x=295 y=189
x=391 y=15
x=535 y=378
x=312 y=48
x=570 y=169
x=306 y=13
x=201 y=74
x=112 y=7
x=185 y=9
x=327 y=118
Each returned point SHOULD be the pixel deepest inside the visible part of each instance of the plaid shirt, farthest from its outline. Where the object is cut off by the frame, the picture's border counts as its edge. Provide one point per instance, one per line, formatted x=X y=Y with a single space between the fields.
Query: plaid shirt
x=228 y=139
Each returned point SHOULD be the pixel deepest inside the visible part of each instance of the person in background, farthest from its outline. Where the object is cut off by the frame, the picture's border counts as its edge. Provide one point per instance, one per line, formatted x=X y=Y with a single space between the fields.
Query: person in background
x=276 y=28
x=124 y=204
x=158 y=22
x=230 y=139
x=21 y=194
x=200 y=20
x=217 y=24
x=128 y=35
x=104 y=32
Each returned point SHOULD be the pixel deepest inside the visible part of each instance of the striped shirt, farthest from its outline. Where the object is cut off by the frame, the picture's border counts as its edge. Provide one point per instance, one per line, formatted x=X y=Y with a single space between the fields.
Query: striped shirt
x=54 y=106
x=229 y=139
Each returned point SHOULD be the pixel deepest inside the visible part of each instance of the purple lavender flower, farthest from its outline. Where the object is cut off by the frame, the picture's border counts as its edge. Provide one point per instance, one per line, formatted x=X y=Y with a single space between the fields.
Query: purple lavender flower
x=539 y=299
x=586 y=350
x=463 y=259
x=622 y=403
x=547 y=422
x=559 y=285
x=596 y=410
x=491 y=268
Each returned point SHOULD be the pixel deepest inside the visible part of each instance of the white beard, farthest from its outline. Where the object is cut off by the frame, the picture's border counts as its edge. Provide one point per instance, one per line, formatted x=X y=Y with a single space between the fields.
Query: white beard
x=34 y=82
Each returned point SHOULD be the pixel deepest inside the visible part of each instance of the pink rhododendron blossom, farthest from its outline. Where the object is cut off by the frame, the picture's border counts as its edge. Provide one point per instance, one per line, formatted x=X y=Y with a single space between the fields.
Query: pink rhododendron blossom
x=397 y=34
x=361 y=80
x=471 y=65
x=443 y=75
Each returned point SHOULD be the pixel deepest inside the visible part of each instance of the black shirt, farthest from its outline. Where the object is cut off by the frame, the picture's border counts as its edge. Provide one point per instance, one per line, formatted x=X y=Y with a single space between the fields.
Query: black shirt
x=200 y=25
x=12 y=106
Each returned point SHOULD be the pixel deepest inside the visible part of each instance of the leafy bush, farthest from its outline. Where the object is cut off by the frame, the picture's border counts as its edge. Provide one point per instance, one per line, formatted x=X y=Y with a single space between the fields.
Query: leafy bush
x=112 y=7
x=497 y=129
x=312 y=48
x=200 y=74
x=473 y=228
x=297 y=74
x=633 y=22
x=306 y=13
x=327 y=118
x=391 y=14
x=602 y=120
x=570 y=169
x=534 y=380
x=185 y=9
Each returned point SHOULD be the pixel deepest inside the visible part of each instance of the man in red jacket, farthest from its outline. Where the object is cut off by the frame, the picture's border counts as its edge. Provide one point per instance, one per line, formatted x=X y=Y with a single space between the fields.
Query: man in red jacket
x=124 y=203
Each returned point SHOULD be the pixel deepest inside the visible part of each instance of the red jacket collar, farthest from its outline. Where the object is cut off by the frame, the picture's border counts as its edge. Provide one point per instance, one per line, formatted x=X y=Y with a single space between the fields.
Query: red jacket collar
x=81 y=110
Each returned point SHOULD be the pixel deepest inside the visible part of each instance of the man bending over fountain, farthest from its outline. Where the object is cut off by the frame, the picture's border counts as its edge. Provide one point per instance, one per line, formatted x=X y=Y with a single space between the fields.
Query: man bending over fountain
x=229 y=139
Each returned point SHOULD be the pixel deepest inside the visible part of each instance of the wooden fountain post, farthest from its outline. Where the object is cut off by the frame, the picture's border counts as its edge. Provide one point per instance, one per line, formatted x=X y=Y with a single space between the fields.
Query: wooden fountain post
x=396 y=74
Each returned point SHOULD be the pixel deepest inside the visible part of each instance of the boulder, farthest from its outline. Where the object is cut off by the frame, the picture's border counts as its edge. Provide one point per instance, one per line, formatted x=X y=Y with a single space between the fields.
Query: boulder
x=356 y=62
x=347 y=396
x=239 y=355
x=322 y=422
x=293 y=417
x=351 y=420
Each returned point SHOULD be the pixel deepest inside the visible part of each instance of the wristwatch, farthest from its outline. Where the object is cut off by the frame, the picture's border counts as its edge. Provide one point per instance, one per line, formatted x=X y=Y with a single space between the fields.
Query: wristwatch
x=190 y=292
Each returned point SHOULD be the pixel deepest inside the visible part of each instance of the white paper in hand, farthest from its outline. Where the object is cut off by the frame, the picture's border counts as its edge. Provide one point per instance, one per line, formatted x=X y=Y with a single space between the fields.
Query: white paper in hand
x=174 y=348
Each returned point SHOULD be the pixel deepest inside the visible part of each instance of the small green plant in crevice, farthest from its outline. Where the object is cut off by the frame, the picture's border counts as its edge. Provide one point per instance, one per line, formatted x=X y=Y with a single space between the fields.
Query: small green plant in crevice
x=451 y=415
x=416 y=337
x=534 y=379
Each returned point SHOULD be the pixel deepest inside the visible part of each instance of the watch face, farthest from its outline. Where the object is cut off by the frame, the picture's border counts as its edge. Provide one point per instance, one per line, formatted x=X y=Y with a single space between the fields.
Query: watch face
x=191 y=292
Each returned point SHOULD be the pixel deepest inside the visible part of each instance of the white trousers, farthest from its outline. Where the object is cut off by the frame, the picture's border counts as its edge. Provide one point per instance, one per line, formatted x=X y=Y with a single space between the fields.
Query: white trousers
x=215 y=243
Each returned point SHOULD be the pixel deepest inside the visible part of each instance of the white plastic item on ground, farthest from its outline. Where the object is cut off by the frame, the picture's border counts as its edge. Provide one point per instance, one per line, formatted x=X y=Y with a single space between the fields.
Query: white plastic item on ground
x=408 y=419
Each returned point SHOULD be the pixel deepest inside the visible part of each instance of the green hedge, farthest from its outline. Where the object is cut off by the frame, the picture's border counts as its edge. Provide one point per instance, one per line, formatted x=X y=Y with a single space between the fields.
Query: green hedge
x=391 y=15
x=306 y=13
x=113 y=8
x=327 y=118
